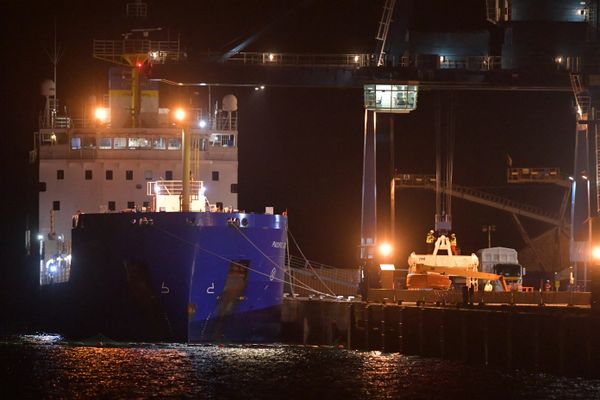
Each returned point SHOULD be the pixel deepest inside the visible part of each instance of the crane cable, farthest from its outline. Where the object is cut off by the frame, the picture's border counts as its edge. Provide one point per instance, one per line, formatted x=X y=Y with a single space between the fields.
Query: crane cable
x=307 y=263
x=302 y=284
x=438 y=156
x=212 y=253
x=443 y=197
x=450 y=154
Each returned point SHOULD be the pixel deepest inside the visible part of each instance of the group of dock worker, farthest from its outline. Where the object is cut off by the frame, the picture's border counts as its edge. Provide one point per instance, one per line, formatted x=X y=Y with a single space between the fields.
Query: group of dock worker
x=432 y=237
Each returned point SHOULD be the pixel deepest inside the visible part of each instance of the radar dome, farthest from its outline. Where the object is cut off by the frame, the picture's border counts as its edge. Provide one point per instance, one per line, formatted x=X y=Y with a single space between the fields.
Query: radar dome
x=229 y=103
x=48 y=88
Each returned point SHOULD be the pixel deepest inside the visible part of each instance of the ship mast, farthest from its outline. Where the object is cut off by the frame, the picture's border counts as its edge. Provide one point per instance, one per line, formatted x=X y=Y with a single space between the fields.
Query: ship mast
x=136 y=51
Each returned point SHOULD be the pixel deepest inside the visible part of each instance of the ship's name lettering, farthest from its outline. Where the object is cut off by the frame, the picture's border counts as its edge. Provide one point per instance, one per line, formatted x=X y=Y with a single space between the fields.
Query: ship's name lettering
x=279 y=245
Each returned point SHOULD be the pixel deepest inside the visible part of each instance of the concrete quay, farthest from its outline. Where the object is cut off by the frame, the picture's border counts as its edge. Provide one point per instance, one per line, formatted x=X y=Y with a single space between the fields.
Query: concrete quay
x=553 y=339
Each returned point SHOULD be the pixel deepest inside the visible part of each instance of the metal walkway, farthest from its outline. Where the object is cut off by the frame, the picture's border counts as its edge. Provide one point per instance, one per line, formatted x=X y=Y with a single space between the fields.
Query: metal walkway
x=476 y=196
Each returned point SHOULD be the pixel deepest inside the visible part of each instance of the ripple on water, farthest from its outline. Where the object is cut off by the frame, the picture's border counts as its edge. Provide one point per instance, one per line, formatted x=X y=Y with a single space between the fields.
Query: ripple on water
x=47 y=366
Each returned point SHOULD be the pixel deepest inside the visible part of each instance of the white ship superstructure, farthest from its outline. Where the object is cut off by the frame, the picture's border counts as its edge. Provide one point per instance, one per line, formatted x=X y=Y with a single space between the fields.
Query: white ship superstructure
x=99 y=165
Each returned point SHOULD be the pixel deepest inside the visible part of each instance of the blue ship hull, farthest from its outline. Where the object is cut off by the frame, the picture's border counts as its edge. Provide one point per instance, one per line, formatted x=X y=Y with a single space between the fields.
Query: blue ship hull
x=186 y=276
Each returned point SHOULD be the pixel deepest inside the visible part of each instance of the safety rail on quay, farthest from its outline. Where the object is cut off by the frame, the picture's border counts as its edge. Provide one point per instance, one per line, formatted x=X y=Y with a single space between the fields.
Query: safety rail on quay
x=449 y=297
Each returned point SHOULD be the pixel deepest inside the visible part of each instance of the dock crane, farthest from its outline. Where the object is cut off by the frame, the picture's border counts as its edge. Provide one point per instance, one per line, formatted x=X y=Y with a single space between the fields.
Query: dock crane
x=492 y=78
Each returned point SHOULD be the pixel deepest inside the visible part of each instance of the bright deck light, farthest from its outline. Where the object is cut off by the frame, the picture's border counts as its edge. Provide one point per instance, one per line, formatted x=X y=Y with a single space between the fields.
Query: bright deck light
x=596 y=253
x=101 y=114
x=202 y=123
x=180 y=114
x=385 y=249
x=387 y=267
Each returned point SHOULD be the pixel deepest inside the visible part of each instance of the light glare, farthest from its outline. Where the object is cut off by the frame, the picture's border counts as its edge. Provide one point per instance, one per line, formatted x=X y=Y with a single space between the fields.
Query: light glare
x=101 y=114
x=180 y=114
x=596 y=253
x=385 y=249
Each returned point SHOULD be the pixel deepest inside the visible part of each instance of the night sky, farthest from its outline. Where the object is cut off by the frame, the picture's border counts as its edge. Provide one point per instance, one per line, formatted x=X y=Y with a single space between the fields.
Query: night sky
x=300 y=148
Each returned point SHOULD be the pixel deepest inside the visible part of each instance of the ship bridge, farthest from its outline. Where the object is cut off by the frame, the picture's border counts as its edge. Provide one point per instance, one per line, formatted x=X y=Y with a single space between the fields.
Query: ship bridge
x=102 y=165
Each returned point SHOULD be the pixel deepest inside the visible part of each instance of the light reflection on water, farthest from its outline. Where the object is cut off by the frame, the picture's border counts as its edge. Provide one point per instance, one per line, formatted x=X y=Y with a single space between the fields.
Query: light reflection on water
x=45 y=366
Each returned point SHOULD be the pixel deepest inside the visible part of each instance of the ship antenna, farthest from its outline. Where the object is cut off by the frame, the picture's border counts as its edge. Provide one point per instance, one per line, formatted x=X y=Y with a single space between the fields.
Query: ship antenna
x=54 y=58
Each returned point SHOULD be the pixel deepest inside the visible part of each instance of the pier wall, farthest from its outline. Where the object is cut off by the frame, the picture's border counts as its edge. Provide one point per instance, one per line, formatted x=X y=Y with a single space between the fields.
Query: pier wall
x=562 y=341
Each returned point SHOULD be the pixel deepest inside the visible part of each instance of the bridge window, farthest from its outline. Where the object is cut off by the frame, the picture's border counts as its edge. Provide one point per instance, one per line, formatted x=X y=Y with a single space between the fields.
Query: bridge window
x=215 y=175
x=129 y=175
x=148 y=175
x=60 y=174
x=109 y=175
x=139 y=143
x=88 y=174
x=89 y=143
x=174 y=144
x=159 y=143
x=120 y=143
x=168 y=175
x=112 y=206
x=234 y=188
x=131 y=205
x=75 y=143
x=105 y=143
x=56 y=205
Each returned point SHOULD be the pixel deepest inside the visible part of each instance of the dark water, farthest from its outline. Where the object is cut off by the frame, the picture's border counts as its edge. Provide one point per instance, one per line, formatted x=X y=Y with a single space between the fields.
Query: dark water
x=44 y=366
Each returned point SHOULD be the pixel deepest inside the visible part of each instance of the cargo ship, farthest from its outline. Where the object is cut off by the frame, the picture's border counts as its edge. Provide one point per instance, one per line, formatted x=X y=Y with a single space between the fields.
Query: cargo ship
x=130 y=247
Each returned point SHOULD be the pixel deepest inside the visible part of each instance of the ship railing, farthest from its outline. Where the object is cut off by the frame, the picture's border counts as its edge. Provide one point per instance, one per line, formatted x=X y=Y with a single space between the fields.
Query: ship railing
x=158 y=51
x=360 y=60
x=474 y=63
x=353 y=60
x=57 y=122
x=171 y=187
x=223 y=121
x=220 y=121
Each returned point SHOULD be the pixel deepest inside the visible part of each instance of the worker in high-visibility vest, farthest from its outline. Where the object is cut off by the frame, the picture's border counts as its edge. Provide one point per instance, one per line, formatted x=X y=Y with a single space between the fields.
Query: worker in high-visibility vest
x=453 y=243
x=430 y=240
